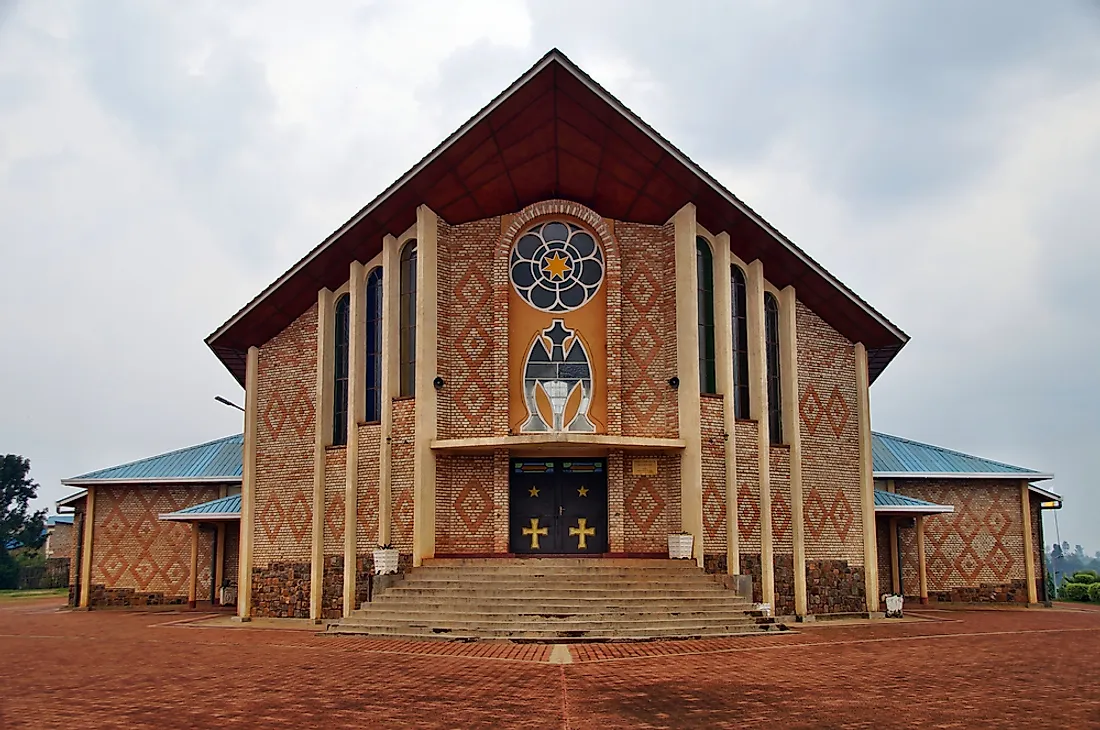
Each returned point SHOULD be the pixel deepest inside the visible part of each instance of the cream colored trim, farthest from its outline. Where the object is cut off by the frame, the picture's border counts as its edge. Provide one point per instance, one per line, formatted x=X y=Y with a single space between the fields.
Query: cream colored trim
x=723 y=355
x=687 y=370
x=323 y=438
x=248 y=485
x=758 y=409
x=408 y=234
x=86 y=550
x=1029 y=548
x=770 y=288
x=489 y=443
x=391 y=380
x=357 y=406
x=193 y=578
x=922 y=561
x=427 y=339
x=219 y=560
x=867 y=478
x=788 y=356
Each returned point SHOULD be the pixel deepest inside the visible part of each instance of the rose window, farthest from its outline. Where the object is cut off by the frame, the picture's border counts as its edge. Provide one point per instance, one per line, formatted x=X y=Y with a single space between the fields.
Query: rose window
x=556 y=267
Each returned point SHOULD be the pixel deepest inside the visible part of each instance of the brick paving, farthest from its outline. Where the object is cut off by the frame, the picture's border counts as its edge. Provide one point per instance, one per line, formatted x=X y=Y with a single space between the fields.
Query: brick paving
x=956 y=669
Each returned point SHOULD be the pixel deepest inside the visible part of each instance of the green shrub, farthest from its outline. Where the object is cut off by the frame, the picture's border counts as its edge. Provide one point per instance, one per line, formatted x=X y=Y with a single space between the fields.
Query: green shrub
x=1075 y=591
x=1085 y=576
x=1094 y=592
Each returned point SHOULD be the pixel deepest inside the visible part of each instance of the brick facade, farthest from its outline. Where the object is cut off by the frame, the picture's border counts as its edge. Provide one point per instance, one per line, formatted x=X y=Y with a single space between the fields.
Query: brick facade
x=140 y=560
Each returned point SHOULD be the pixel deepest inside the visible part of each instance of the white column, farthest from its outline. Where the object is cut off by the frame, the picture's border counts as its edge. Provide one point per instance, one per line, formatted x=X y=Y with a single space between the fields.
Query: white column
x=391 y=376
x=788 y=355
x=687 y=370
x=758 y=409
x=323 y=437
x=866 y=477
x=426 y=370
x=723 y=352
x=248 y=486
x=357 y=325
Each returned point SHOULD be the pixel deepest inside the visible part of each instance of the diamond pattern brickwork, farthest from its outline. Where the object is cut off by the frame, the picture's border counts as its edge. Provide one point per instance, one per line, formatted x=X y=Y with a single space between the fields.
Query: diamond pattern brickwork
x=748 y=489
x=980 y=543
x=366 y=508
x=401 y=474
x=335 y=480
x=830 y=441
x=285 y=442
x=713 y=430
x=651 y=504
x=135 y=550
x=465 y=505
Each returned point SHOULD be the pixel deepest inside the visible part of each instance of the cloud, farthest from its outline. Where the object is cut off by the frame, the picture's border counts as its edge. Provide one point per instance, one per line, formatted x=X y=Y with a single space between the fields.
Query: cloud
x=160 y=164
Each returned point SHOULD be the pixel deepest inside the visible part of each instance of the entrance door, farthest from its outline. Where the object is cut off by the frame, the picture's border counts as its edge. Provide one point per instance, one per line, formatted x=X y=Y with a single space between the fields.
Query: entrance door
x=558 y=506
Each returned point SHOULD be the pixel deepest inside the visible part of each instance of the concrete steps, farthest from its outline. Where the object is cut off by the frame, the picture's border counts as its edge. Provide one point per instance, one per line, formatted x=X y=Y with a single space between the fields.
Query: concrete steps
x=554 y=600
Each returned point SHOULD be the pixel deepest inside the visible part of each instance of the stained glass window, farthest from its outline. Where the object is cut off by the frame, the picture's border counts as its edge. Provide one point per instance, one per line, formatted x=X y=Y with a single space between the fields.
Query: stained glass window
x=374 y=344
x=705 y=276
x=771 y=344
x=340 y=372
x=740 y=345
x=408 y=319
x=556 y=266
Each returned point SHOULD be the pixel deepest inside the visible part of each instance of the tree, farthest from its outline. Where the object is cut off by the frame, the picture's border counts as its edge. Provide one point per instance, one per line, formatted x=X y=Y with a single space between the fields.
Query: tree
x=19 y=527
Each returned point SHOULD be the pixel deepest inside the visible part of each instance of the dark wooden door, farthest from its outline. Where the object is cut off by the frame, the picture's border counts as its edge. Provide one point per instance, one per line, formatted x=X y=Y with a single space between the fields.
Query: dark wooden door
x=558 y=506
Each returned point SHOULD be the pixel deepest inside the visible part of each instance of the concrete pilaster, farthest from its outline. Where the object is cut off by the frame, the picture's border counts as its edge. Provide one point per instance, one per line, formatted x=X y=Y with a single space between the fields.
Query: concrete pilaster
x=866 y=477
x=86 y=550
x=788 y=356
x=687 y=370
x=427 y=306
x=1029 y=546
x=248 y=485
x=323 y=437
x=357 y=372
x=391 y=379
x=758 y=410
x=723 y=352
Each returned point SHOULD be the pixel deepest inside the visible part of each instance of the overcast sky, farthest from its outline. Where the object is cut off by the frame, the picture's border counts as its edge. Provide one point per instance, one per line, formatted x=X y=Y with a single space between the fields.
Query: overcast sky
x=162 y=162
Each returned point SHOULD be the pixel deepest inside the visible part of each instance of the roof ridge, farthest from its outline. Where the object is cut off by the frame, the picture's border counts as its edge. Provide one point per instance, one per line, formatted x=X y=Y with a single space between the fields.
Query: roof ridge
x=954 y=452
x=223 y=439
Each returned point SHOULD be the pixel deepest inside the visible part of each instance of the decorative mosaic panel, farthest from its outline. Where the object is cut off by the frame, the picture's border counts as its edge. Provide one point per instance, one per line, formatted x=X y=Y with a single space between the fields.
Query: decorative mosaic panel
x=134 y=549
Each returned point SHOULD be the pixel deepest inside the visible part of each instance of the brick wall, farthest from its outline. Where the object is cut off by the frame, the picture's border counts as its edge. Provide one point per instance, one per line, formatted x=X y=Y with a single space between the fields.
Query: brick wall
x=713 y=429
x=1038 y=546
x=366 y=536
x=138 y=559
x=975 y=553
x=60 y=543
x=401 y=474
x=336 y=459
x=649 y=405
x=467 y=335
x=748 y=488
x=287 y=381
x=651 y=504
x=830 y=441
x=466 y=506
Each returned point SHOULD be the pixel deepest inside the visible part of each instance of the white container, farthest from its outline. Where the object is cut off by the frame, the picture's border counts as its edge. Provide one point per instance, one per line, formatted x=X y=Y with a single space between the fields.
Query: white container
x=894 y=605
x=679 y=546
x=228 y=595
x=385 y=561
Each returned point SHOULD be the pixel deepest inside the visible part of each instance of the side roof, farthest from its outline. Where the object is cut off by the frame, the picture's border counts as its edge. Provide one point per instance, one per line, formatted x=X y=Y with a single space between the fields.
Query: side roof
x=554 y=133
x=896 y=457
x=226 y=508
x=214 y=461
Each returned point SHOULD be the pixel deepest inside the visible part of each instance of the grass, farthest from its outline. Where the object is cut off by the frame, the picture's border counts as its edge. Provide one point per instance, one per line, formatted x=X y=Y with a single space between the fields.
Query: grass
x=13 y=595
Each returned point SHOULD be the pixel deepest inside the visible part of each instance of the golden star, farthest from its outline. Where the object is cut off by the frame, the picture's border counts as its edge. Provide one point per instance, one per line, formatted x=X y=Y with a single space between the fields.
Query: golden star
x=582 y=492
x=556 y=266
x=533 y=491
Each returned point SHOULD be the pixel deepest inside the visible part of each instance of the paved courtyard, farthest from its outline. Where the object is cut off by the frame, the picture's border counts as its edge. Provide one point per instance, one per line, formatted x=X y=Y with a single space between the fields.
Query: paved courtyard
x=955 y=669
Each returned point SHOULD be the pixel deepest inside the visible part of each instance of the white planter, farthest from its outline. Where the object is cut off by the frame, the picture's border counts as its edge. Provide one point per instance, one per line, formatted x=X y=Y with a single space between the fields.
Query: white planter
x=679 y=546
x=894 y=605
x=385 y=561
x=228 y=596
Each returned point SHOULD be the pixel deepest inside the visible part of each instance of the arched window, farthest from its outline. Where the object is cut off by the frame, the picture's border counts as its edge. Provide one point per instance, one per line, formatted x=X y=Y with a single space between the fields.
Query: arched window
x=771 y=344
x=408 y=319
x=740 y=345
x=340 y=372
x=374 y=344
x=704 y=271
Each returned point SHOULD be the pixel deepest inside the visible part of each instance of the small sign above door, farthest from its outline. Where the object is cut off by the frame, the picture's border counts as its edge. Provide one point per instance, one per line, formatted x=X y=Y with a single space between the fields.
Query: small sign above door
x=643 y=467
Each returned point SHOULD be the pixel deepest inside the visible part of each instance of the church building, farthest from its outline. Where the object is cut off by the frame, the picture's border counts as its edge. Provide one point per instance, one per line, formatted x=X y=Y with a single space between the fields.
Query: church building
x=556 y=335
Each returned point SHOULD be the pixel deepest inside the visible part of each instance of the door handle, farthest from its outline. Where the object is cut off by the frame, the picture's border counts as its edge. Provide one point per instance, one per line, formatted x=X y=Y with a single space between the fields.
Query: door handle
x=561 y=510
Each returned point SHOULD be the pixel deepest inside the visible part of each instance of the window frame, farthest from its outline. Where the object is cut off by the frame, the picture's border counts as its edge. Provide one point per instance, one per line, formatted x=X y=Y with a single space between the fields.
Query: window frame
x=373 y=361
x=704 y=274
x=407 y=319
x=341 y=328
x=774 y=375
x=740 y=345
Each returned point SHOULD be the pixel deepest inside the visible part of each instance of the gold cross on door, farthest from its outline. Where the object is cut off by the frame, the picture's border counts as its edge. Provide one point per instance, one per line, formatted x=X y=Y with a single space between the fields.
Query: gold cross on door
x=534 y=531
x=583 y=530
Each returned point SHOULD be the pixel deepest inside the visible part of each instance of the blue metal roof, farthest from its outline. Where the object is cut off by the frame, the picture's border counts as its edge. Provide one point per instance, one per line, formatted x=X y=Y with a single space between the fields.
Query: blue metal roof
x=59 y=520
x=895 y=455
x=212 y=461
x=224 y=508
x=889 y=501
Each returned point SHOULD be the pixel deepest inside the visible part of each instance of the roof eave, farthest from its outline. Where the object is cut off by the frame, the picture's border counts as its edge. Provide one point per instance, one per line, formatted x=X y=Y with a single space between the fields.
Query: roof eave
x=79 y=482
x=931 y=509
x=552 y=56
x=198 y=517
x=1025 y=476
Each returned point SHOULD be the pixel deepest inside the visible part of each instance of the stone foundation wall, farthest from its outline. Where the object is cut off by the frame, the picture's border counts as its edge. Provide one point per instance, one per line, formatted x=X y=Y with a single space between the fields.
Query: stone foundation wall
x=832 y=586
x=750 y=565
x=1012 y=592
x=100 y=596
x=332 y=589
x=715 y=563
x=784 y=585
x=281 y=590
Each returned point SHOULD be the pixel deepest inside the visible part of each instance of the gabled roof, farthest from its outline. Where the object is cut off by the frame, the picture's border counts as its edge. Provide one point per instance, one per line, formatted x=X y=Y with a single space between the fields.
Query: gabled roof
x=226 y=508
x=554 y=133
x=215 y=461
x=889 y=502
x=895 y=457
